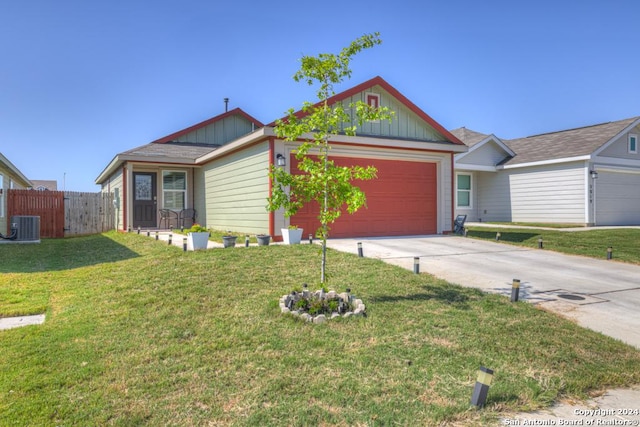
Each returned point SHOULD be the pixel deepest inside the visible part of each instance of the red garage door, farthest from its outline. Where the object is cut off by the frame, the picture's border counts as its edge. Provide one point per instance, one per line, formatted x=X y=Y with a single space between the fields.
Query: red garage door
x=401 y=201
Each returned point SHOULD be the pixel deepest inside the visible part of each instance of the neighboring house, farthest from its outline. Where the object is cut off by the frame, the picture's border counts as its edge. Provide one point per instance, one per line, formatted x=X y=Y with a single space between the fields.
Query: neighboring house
x=220 y=168
x=44 y=185
x=588 y=176
x=10 y=178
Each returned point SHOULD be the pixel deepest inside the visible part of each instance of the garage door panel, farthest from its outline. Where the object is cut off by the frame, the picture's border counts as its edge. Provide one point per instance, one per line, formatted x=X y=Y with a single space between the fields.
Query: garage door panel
x=617 y=198
x=401 y=201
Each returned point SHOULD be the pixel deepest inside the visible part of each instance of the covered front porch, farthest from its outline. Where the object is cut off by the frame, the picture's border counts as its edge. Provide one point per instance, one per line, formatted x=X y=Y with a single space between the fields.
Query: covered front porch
x=160 y=197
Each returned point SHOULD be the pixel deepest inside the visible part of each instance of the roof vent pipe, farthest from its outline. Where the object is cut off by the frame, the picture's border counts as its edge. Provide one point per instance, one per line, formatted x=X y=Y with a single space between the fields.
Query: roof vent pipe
x=226 y=105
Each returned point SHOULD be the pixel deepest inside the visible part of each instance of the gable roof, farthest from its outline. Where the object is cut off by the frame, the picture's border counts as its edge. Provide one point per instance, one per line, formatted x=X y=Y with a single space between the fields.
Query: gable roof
x=379 y=81
x=468 y=136
x=569 y=143
x=235 y=111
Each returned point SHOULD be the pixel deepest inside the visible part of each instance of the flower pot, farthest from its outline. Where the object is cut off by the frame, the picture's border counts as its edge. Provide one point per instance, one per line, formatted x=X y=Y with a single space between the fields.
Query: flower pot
x=291 y=236
x=197 y=240
x=263 y=239
x=229 y=241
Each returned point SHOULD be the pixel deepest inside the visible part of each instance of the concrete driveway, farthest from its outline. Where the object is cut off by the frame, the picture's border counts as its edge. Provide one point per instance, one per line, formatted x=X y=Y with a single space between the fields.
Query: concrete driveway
x=598 y=294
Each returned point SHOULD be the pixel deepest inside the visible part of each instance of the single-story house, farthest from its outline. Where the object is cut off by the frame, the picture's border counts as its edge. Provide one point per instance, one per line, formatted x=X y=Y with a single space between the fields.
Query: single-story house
x=10 y=178
x=220 y=168
x=589 y=176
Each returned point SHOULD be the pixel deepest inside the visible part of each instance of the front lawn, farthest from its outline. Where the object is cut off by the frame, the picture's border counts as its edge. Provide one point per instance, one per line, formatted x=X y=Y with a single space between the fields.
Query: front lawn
x=142 y=333
x=625 y=242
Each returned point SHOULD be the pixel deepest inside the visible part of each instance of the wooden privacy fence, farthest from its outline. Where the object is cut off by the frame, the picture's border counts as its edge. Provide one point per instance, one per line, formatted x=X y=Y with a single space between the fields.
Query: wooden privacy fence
x=64 y=214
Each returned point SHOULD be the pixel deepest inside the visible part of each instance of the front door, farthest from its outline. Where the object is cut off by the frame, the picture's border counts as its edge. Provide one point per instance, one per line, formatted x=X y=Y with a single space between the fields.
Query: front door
x=144 y=200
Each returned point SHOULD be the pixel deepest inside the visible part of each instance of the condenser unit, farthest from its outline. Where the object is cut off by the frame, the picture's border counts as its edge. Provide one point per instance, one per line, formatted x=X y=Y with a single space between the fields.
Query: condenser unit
x=28 y=227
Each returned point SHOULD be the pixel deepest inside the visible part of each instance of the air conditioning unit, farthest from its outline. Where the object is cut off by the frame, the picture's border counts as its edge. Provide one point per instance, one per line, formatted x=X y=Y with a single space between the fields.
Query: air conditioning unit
x=28 y=228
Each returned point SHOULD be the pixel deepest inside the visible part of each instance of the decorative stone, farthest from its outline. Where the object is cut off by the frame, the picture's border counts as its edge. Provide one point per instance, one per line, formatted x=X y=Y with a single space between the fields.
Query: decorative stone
x=344 y=296
x=357 y=302
x=285 y=310
x=348 y=314
x=321 y=318
x=334 y=315
x=332 y=295
x=306 y=317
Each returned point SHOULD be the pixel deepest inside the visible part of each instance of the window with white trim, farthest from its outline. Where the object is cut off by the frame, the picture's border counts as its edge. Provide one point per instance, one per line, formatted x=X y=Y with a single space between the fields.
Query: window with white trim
x=633 y=144
x=174 y=190
x=463 y=190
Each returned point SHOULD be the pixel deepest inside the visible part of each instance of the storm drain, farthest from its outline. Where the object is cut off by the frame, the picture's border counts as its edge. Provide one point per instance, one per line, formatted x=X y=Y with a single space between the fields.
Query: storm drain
x=563 y=294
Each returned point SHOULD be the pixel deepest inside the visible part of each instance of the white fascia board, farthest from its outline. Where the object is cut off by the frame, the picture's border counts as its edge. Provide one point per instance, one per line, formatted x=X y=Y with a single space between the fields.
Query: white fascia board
x=398 y=143
x=603 y=162
x=477 y=168
x=615 y=138
x=547 y=162
x=254 y=136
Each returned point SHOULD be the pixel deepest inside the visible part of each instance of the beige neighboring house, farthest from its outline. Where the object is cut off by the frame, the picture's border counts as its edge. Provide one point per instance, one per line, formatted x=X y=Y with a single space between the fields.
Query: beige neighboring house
x=220 y=168
x=588 y=175
x=10 y=178
x=44 y=185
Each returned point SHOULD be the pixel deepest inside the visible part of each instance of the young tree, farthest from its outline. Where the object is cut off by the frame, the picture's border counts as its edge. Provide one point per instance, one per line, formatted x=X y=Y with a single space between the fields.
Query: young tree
x=319 y=178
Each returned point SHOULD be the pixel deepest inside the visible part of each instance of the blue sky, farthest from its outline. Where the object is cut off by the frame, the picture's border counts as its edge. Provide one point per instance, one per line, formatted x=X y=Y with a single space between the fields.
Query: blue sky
x=81 y=81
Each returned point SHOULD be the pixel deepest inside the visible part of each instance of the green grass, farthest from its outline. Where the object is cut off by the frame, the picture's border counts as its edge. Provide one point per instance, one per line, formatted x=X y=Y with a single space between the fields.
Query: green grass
x=141 y=333
x=625 y=242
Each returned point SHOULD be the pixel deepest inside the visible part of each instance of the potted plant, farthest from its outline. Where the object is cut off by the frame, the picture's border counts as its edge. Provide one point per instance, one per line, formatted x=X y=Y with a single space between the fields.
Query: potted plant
x=197 y=237
x=263 y=239
x=292 y=235
x=229 y=240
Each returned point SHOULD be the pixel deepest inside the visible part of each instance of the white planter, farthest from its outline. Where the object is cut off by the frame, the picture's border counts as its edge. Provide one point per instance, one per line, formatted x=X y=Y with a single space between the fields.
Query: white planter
x=291 y=236
x=197 y=240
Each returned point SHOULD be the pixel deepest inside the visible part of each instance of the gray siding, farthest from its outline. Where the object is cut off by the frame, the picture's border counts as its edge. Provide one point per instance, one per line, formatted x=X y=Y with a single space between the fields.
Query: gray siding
x=551 y=193
x=487 y=155
x=406 y=124
x=220 y=132
x=619 y=148
x=237 y=187
x=494 y=197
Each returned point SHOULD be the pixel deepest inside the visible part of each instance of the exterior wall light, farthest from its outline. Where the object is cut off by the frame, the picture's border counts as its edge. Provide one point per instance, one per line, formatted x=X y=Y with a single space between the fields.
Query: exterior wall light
x=594 y=174
x=281 y=160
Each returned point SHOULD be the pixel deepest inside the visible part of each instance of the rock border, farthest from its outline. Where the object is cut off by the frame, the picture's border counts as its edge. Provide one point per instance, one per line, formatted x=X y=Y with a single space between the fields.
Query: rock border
x=287 y=301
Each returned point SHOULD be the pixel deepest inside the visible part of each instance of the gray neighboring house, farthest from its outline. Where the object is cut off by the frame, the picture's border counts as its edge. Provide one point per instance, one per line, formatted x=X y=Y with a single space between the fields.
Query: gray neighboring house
x=588 y=175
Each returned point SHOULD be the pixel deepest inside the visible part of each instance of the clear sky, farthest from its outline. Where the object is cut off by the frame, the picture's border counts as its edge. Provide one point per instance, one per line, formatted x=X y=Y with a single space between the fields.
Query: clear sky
x=83 y=80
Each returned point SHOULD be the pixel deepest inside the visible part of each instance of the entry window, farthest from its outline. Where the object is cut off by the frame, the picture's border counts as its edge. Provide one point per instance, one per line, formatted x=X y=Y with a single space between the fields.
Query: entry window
x=463 y=193
x=174 y=189
x=633 y=143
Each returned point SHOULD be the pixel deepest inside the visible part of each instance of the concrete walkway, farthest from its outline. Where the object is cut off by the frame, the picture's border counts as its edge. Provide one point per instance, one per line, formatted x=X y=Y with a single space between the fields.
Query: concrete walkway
x=597 y=294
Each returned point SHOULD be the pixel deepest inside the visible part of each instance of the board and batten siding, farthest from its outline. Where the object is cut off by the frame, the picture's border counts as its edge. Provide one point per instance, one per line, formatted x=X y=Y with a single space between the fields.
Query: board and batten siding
x=406 y=124
x=550 y=193
x=236 y=188
x=220 y=132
